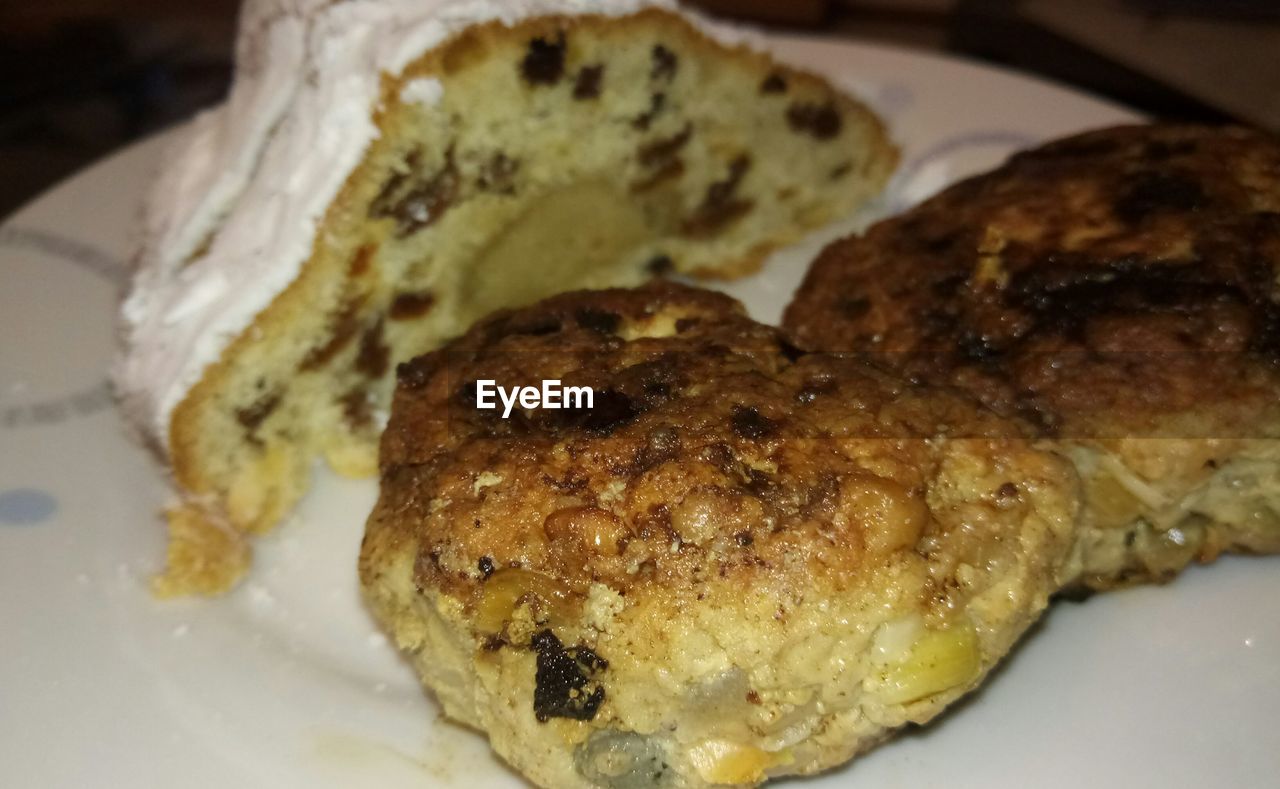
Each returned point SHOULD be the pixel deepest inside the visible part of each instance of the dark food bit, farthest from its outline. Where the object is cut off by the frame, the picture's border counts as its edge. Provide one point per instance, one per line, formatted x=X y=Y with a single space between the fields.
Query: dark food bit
x=661 y=151
x=751 y=424
x=612 y=410
x=659 y=156
x=814 y=389
x=660 y=265
x=423 y=206
x=822 y=121
x=252 y=416
x=652 y=379
x=538 y=326
x=601 y=321
x=840 y=170
x=720 y=206
x=774 y=83
x=665 y=63
x=587 y=84
x=374 y=356
x=656 y=102
x=345 y=325
x=1152 y=192
x=361 y=261
x=855 y=307
x=465 y=395
x=409 y=305
x=498 y=174
x=356 y=408
x=1074 y=594
x=543 y=64
x=1066 y=299
x=673 y=168
x=485 y=565
x=382 y=203
x=789 y=350
x=563 y=684
x=415 y=206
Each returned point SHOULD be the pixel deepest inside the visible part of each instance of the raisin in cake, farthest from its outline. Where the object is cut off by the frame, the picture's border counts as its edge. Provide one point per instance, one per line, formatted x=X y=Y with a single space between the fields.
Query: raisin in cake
x=741 y=562
x=385 y=172
x=1119 y=287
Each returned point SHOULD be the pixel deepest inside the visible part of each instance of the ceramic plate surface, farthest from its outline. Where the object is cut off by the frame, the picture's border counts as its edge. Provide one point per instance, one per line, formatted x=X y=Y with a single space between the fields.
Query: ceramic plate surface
x=286 y=682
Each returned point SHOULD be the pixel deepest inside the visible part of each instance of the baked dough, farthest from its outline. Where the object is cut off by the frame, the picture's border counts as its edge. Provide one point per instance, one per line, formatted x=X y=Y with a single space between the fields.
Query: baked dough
x=742 y=562
x=1119 y=288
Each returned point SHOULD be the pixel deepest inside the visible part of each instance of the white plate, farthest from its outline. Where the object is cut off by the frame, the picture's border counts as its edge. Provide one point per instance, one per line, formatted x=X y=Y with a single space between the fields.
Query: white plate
x=286 y=683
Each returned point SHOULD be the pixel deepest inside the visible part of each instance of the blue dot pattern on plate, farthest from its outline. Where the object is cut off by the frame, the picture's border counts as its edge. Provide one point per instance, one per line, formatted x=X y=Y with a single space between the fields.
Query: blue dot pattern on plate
x=25 y=506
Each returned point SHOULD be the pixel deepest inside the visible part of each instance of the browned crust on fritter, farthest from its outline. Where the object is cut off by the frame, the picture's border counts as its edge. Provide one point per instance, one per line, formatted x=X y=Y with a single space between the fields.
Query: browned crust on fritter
x=1119 y=282
x=716 y=452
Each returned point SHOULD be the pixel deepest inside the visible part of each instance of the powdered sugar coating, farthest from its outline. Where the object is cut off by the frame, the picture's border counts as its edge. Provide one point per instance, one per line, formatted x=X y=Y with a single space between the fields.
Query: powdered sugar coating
x=426 y=91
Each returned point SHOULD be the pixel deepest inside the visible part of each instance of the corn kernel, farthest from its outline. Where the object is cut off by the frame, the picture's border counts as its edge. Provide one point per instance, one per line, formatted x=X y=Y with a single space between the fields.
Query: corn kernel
x=506 y=589
x=727 y=762
x=990 y=271
x=588 y=529
x=890 y=516
x=938 y=660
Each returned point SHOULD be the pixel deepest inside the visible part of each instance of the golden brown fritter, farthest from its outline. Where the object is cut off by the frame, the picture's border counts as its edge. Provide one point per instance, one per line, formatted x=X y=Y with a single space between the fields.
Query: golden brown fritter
x=743 y=561
x=1119 y=288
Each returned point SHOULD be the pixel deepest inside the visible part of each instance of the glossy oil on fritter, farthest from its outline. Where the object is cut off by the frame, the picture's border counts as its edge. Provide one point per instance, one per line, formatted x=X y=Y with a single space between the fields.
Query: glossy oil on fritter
x=743 y=562
x=1118 y=288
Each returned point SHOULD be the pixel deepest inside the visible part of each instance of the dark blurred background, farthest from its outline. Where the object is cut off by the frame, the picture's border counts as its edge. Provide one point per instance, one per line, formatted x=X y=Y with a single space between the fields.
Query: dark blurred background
x=79 y=78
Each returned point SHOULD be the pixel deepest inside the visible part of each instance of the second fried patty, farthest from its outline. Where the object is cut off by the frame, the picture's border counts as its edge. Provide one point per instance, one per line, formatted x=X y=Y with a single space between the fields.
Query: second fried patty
x=742 y=561
x=1119 y=288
